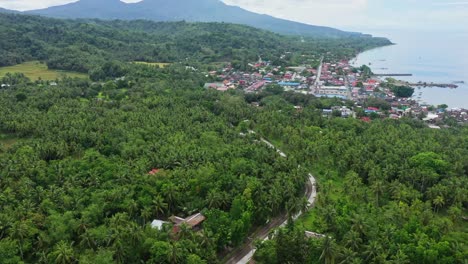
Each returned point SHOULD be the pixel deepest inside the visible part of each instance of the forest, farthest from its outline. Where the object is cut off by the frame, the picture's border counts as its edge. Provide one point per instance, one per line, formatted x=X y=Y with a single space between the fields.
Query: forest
x=84 y=45
x=86 y=166
x=75 y=162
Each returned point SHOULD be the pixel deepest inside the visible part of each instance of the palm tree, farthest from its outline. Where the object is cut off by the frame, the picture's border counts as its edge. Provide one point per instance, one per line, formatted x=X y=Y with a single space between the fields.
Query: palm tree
x=372 y=250
x=159 y=205
x=175 y=254
x=170 y=191
x=438 y=202
x=353 y=240
x=329 y=251
x=358 y=225
x=63 y=253
x=400 y=258
x=146 y=214
x=20 y=231
x=329 y=214
x=213 y=199
x=378 y=189
x=347 y=255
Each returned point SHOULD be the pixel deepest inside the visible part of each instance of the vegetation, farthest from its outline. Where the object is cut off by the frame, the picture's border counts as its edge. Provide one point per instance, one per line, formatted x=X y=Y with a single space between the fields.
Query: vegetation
x=75 y=158
x=85 y=45
x=402 y=91
x=389 y=191
x=35 y=70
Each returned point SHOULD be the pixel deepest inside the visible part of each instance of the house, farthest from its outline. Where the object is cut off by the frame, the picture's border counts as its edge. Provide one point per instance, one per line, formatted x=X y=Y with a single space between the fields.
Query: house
x=256 y=86
x=289 y=84
x=158 y=224
x=154 y=171
x=193 y=221
x=217 y=86
x=332 y=90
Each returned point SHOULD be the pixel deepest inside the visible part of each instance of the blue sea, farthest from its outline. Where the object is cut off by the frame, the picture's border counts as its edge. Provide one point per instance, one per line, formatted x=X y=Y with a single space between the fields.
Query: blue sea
x=430 y=57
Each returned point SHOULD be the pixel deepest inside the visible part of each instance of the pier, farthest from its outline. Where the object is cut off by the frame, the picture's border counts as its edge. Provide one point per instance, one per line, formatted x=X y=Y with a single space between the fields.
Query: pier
x=440 y=85
x=392 y=74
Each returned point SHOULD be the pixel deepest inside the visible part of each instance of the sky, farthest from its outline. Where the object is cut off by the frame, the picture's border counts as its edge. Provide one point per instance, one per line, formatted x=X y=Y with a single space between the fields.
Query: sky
x=429 y=15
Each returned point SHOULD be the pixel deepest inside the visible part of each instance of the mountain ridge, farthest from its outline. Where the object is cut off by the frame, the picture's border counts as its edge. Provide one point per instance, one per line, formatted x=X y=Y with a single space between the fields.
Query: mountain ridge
x=186 y=10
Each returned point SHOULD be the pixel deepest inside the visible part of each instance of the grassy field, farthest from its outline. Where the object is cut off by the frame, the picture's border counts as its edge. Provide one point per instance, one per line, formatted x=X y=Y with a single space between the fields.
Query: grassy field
x=160 y=64
x=35 y=70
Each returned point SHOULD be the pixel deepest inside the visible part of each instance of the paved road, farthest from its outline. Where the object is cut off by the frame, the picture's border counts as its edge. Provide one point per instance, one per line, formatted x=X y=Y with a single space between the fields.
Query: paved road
x=319 y=73
x=245 y=253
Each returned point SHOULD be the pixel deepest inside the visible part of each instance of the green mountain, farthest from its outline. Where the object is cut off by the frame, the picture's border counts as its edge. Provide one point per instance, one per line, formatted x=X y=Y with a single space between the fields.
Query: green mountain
x=188 y=10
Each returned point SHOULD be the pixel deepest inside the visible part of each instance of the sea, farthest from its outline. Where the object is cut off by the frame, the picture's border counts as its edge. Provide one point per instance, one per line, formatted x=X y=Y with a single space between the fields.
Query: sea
x=431 y=57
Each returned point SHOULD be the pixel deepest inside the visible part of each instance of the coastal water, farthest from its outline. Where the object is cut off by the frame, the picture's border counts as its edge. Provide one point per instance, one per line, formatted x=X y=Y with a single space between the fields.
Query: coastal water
x=430 y=57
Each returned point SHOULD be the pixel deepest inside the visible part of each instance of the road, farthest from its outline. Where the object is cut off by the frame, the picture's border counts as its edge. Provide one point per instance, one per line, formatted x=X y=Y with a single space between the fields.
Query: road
x=244 y=254
x=319 y=73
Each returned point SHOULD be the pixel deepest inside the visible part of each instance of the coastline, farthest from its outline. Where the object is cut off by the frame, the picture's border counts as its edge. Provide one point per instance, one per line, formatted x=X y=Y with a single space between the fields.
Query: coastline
x=437 y=81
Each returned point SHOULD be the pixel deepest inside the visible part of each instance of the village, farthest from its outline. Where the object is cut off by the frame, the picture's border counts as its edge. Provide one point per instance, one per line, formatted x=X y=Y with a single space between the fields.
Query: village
x=372 y=96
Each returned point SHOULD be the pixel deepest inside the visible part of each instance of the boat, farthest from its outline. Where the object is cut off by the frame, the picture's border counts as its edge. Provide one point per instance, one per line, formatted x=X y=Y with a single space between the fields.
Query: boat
x=459 y=82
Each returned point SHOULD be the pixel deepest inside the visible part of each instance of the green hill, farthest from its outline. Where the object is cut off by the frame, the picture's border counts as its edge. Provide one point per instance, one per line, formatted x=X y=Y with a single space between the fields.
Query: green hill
x=80 y=45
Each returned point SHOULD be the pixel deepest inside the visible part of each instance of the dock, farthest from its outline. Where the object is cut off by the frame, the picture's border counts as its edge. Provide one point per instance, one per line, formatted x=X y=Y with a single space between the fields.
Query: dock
x=393 y=74
x=439 y=85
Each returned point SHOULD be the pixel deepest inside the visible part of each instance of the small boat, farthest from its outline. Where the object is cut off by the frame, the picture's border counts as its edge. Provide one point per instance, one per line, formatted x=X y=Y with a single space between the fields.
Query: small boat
x=459 y=82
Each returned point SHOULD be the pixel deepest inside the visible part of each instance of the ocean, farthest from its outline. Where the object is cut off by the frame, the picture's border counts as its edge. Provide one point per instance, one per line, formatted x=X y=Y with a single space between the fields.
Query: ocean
x=430 y=57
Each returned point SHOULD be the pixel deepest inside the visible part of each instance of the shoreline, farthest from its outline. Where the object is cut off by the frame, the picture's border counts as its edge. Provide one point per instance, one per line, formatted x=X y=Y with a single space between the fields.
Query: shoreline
x=444 y=89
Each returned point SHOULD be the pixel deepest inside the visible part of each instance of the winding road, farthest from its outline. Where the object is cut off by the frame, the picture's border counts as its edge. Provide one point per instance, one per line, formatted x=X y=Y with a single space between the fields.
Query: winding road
x=244 y=254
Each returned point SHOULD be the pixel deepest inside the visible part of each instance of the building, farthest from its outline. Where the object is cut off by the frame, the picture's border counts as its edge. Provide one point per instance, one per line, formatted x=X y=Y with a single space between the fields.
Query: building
x=193 y=221
x=158 y=224
x=332 y=90
x=218 y=86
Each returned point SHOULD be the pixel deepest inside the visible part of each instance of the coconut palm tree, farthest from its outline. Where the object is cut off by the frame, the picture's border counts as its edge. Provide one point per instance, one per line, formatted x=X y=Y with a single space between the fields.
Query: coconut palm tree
x=159 y=205
x=329 y=251
x=347 y=255
x=372 y=250
x=438 y=202
x=353 y=240
x=62 y=253
x=175 y=253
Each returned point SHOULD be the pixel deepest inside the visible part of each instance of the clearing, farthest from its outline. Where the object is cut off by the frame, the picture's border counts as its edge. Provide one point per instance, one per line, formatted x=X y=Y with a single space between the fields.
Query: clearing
x=7 y=141
x=160 y=64
x=35 y=70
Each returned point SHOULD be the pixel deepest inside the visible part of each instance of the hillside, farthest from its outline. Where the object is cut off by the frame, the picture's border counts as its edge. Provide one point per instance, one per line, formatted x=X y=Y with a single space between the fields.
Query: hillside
x=3 y=10
x=80 y=45
x=188 y=10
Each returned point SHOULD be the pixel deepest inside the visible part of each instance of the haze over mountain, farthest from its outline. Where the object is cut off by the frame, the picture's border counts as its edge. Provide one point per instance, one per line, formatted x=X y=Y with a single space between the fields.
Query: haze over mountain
x=188 y=10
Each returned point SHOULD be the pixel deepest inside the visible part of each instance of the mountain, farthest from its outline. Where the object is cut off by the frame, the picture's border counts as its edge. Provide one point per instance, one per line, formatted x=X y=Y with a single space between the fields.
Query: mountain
x=3 y=10
x=188 y=10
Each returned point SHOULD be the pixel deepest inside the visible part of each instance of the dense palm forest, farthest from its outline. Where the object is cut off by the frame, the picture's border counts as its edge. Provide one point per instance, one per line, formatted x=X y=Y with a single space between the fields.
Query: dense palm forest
x=86 y=166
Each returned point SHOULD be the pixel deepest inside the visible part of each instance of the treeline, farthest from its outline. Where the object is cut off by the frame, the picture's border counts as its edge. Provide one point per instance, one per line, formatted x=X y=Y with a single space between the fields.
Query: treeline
x=84 y=45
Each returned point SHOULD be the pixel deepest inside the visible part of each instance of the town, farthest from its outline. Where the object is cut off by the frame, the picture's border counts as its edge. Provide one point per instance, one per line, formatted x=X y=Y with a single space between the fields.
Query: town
x=372 y=96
